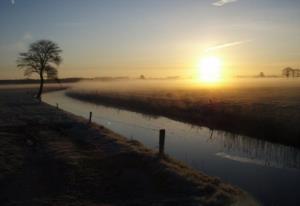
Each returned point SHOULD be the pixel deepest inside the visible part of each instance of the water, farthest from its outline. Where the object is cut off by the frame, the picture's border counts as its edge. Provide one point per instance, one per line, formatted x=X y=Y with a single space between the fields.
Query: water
x=270 y=172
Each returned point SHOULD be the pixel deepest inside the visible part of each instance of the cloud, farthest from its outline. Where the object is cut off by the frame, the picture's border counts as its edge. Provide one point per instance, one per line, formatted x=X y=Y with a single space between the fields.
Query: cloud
x=223 y=2
x=27 y=36
x=226 y=45
x=13 y=2
x=295 y=53
x=21 y=44
x=69 y=24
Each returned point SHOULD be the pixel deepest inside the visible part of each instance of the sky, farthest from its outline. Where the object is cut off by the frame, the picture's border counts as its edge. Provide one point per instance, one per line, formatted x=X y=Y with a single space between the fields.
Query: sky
x=153 y=37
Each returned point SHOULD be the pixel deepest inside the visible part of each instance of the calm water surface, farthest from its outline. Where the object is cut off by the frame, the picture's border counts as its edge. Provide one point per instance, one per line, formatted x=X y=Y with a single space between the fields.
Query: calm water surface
x=270 y=172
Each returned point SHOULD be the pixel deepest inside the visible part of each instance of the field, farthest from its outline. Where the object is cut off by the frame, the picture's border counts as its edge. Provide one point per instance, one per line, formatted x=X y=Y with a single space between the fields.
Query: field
x=264 y=111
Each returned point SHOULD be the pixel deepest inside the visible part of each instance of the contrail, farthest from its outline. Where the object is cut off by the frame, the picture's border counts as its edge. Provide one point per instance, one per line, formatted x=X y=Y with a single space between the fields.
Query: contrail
x=223 y=2
x=230 y=44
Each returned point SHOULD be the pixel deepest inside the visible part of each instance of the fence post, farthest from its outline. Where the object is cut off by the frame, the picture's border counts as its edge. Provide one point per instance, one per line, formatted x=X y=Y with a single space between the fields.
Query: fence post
x=162 y=134
x=90 y=119
x=57 y=106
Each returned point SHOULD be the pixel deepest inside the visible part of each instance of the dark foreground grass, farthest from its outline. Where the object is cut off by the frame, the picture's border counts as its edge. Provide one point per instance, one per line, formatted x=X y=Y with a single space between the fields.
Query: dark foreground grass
x=260 y=120
x=49 y=157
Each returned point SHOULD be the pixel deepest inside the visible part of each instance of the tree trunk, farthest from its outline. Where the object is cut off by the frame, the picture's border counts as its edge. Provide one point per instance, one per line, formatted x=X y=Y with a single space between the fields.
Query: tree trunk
x=39 y=94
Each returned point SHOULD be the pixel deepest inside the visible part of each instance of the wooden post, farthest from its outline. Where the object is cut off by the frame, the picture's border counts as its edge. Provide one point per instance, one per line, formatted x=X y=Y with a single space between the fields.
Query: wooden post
x=57 y=106
x=162 y=134
x=90 y=119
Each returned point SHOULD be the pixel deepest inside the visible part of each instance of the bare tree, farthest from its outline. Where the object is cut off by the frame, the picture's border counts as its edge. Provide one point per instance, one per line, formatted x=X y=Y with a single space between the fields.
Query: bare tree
x=42 y=58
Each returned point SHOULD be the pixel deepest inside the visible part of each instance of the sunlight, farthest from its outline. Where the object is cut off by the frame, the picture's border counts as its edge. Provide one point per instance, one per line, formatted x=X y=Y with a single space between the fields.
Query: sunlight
x=210 y=69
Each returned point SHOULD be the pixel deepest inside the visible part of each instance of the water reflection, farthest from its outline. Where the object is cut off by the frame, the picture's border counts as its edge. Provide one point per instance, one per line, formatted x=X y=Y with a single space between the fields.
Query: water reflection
x=250 y=150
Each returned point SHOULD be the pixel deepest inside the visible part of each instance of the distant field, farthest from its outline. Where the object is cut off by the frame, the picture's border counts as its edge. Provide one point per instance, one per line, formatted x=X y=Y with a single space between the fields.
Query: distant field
x=33 y=88
x=266 y=110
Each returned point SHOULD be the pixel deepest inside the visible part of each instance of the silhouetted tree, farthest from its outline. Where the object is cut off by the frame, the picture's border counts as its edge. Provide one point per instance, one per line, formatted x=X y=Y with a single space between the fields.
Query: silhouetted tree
x=43 y=58
x=288 y=72
x=261 y=74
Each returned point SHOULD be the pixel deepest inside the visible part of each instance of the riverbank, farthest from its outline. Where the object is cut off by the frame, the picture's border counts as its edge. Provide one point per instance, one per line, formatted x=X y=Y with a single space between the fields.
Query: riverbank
x=50 y=157
x=267 y=121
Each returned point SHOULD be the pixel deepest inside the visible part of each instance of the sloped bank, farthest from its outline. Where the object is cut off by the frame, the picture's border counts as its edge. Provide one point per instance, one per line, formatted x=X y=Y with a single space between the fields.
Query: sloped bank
x=56 y=158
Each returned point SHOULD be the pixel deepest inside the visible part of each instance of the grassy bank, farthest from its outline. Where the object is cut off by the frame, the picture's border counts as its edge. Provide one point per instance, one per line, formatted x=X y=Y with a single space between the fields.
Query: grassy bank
x=50 y=157
x=260 y=119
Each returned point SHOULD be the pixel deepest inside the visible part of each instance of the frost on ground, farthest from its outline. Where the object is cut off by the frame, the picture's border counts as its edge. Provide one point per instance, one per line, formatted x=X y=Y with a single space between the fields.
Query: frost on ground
x=50 y=157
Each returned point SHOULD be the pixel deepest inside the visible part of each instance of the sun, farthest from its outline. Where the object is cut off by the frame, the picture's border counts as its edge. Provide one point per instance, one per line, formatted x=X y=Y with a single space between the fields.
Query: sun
x=210 y=69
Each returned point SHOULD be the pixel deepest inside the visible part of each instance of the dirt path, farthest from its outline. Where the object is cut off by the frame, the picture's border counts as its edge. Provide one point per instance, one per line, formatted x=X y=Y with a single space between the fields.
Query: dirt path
x=49 y=157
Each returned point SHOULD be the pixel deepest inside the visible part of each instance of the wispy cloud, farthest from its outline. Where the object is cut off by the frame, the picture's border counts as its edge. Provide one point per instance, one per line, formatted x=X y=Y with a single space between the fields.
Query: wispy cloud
x=13 y=2
x=226 y=45
x=21 y=44
x=223 y=2
x=27 y=36
x=295 y=53
x=70 y=24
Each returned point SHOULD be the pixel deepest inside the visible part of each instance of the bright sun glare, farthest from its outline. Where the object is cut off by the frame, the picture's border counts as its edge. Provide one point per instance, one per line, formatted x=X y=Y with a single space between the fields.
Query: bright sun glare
x=210 y=69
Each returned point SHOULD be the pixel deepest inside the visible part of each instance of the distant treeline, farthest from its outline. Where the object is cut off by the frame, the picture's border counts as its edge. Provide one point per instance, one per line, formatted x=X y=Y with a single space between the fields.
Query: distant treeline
x=258 y=76
x=37 y=81
x=64 y=80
